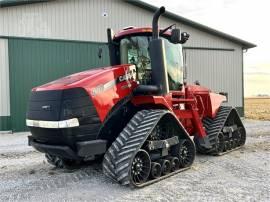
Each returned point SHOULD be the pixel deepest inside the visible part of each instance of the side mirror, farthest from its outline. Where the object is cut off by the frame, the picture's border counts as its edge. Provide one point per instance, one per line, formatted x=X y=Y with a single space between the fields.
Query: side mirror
x=178 y=37
x=184 y=37
x=175 y=36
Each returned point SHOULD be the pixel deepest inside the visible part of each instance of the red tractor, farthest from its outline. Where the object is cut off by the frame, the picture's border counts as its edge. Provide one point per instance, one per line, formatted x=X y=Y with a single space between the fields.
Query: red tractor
x=138 y=114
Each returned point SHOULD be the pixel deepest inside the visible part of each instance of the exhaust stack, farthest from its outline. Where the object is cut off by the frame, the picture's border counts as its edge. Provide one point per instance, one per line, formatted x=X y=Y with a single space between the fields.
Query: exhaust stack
x=157 y=56
x=156 y=16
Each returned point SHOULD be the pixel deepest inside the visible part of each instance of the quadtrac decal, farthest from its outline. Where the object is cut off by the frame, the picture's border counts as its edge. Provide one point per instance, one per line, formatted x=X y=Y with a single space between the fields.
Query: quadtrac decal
x=130 y=74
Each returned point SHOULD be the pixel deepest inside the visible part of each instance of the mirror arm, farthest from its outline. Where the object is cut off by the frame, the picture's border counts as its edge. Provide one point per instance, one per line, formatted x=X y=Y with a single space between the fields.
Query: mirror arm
x=166 y=29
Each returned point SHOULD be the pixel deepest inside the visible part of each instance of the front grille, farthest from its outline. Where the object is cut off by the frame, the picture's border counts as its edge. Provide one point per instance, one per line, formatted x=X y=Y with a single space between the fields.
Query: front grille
x=57 y=105
x=45 y=105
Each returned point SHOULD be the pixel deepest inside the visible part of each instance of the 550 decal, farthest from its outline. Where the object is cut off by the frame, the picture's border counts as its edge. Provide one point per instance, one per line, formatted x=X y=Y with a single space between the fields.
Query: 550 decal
x=130 y=74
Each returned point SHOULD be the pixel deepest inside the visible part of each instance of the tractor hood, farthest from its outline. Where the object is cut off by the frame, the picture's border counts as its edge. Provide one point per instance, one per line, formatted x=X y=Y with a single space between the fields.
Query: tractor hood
x=103 y=87
x=92 y=78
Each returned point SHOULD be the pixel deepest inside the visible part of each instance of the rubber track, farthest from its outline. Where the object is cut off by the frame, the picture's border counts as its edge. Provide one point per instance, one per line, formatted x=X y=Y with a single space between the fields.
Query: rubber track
x=214 y=126
x=117 y=160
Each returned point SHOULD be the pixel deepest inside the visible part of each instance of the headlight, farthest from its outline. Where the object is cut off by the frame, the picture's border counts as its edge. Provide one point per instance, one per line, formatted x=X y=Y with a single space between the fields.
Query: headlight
x=70 y=123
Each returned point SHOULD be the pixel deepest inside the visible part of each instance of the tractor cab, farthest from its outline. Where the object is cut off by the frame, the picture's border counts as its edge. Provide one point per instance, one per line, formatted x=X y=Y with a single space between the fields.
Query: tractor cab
x=132 y=46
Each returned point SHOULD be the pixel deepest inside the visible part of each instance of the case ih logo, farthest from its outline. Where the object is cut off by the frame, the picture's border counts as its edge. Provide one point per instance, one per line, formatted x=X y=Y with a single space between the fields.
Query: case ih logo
x=129 y=74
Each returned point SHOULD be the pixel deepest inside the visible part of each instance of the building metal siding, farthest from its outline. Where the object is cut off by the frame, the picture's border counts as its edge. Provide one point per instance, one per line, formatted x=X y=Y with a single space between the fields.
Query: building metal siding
x=84 y=20
x=219 y=70
x=35 y=62
x=4 y=85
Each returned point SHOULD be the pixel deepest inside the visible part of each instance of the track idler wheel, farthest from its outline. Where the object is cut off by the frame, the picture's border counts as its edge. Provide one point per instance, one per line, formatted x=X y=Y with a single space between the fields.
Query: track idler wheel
x=185 y=151
x=165 y=166
x=155 y=170
x=141 y=167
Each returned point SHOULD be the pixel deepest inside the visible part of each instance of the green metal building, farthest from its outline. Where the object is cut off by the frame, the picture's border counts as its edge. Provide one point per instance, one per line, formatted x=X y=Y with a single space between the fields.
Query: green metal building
x=32 y=62
x=43 y=40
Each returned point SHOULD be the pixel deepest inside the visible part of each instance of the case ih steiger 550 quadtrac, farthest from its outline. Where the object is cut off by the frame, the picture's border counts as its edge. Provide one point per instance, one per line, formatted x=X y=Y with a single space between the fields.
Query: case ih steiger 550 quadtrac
x=138 y=114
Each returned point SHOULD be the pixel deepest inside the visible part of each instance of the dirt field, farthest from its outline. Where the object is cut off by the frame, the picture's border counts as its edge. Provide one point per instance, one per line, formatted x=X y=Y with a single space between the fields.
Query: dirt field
x=257 y=108
x=242 y=175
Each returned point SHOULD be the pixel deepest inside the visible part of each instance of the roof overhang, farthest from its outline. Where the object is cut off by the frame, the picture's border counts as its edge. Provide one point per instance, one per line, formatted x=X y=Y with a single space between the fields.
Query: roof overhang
x=8 y=3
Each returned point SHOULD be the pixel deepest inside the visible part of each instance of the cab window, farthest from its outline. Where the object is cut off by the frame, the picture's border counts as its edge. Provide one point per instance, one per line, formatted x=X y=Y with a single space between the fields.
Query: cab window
x=174 y=64
x=134 y=50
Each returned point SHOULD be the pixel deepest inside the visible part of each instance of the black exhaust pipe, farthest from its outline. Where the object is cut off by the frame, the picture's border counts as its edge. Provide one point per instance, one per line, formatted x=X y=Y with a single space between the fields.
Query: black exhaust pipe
x=157 y=14
x=157 y=55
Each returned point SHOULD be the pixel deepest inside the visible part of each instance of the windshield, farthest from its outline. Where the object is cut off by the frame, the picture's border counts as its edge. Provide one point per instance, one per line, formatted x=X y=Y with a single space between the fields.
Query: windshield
x=175 y=65
x=134 y=50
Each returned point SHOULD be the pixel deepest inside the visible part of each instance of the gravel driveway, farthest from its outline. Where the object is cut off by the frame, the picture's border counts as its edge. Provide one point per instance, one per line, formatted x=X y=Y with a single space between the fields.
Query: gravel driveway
x=242 y=175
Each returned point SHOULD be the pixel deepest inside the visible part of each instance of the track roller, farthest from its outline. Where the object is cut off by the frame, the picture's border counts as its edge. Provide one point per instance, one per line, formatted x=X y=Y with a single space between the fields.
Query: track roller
x=229 y=145
x=165 y=166
x=155 y=170
x=174 y=163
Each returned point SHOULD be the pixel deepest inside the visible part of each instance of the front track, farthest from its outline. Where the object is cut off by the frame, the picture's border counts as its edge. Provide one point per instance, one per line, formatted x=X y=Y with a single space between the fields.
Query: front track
x=145 y=142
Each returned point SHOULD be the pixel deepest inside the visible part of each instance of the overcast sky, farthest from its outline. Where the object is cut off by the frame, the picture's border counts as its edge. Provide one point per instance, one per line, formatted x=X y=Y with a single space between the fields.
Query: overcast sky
x=245 y=19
